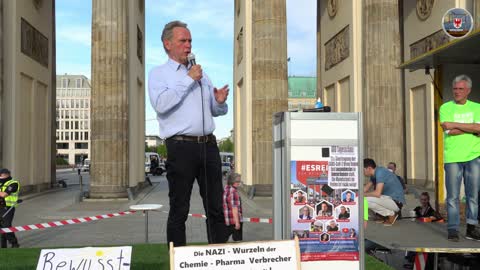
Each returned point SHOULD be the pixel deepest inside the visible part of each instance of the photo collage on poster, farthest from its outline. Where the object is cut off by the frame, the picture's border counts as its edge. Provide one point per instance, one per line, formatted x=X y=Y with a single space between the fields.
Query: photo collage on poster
x=324 y=205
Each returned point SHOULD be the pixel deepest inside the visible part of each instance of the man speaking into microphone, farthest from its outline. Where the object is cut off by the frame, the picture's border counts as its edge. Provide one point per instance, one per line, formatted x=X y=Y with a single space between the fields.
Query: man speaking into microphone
x=186 y=102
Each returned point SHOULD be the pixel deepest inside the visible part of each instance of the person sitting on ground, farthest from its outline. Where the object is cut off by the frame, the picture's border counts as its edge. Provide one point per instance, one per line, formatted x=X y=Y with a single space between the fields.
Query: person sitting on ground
x=427 y=211
x=392 y=166
x=388 y=198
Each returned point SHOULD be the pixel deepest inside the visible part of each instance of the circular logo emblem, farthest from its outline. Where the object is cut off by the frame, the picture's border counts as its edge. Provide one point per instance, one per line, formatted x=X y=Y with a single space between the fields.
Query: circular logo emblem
x=457 y=22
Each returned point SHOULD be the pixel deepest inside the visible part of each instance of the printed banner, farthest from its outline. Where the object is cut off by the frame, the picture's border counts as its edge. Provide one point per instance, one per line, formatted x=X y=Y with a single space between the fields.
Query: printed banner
x=272 y=255
x=85 y=258
x=343 y=166
x=325 y=205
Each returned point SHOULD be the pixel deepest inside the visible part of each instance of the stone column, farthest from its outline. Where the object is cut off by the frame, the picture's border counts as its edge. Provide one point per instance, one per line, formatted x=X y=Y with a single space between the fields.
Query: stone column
x=53 y=88
x=476 y=14
x=269 y=84
x=319 y=53
x=1 y=84
x=384 y=126
x=109 y=100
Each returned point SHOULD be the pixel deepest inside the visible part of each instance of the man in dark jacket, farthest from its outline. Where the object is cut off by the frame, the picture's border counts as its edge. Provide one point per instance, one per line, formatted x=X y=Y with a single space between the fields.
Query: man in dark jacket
x=9 y=189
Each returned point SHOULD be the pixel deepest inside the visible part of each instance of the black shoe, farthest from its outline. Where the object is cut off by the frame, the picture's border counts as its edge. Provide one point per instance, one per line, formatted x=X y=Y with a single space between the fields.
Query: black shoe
x=15 y=245
x=473 y=233
x=453 y=236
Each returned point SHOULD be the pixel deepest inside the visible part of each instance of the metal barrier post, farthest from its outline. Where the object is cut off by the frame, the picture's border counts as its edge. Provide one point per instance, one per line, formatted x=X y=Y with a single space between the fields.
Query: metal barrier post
x=146 y=225
x=80 y=181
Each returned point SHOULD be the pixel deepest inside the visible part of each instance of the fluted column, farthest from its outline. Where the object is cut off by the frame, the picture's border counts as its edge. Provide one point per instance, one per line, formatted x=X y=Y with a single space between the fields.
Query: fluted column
x=476 y=14
x=269 y=82
x=109 y=108
x=384 y=125
x=1 y=84
x=319 y=53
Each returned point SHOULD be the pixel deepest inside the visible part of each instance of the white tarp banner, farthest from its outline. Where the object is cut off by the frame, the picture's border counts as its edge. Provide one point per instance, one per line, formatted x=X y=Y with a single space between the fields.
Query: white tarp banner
x=271 y=255
x=85 y=258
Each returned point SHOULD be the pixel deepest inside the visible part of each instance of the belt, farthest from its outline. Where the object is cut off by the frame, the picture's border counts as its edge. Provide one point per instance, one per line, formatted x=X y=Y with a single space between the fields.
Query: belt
x=197 y=139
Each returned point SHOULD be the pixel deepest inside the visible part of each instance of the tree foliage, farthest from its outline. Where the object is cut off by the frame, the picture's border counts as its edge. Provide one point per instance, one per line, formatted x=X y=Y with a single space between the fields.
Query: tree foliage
x=161 y=149
x=226 y=146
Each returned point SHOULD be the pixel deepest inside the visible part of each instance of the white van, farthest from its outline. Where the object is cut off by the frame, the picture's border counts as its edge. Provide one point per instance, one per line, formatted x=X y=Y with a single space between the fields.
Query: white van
x=227 y=159
x=86 y=165
x=148 y=162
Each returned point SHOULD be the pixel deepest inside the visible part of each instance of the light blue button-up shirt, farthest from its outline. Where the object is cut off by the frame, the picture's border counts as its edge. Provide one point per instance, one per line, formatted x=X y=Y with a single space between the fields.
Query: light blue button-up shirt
x=177 y=100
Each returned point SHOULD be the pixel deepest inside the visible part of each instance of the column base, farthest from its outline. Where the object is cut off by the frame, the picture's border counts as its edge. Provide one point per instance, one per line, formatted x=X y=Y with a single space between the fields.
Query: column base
x=36 y=188
x=258 y=190
x=108 y=192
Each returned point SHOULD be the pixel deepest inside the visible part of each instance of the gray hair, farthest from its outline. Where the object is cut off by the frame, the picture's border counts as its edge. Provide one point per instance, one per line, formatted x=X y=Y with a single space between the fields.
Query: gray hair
x=462 y=77
x=233 y=178
x=167 y=32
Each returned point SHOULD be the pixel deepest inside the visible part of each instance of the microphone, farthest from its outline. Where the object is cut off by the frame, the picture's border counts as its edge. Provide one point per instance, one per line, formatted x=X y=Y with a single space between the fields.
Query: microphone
x=191 y=59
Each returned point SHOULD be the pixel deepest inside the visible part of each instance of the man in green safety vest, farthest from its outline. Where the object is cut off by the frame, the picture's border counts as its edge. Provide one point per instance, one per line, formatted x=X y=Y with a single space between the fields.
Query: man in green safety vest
x=9 y=189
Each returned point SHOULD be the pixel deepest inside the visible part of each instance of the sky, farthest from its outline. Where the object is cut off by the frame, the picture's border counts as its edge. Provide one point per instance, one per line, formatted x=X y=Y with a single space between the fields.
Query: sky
x=211 y=24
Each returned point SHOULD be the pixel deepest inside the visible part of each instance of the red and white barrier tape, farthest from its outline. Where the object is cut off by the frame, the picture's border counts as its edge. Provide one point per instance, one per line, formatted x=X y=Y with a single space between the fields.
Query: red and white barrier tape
x=245 y=219
x=62 y=222
x=106 y=216
x=420 y=261
x=258 y=220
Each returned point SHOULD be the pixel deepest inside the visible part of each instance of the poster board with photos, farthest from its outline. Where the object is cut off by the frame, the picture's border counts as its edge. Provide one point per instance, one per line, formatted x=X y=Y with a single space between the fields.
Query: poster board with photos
x=316 y=159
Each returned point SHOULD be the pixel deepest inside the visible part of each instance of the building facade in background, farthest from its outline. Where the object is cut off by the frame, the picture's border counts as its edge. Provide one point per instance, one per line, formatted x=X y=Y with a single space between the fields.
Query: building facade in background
x=28 y=100
x=360 y=45
x=73 y=118
x=302 y=92
x=260 y=86
x=153 y=141
x=27 y=92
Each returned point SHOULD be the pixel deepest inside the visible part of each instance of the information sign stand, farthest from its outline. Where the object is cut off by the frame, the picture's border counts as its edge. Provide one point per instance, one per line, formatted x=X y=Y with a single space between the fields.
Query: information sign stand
x=318 y=177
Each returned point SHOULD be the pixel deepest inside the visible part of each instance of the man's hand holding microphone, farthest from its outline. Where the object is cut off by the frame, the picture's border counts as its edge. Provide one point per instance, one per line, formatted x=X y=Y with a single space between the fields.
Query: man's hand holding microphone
x=196 y=74
x=195 y=71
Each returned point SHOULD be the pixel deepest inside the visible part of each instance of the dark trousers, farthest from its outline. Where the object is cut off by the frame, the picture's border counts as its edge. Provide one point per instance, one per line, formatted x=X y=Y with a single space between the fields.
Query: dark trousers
x=237 y=235
x=6 y=222
x=186 y=162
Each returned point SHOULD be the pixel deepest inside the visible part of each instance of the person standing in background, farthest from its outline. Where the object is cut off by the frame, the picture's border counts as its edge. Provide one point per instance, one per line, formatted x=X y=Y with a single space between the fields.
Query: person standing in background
x=9 y=189
x=232 y=207
x=460 y=120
